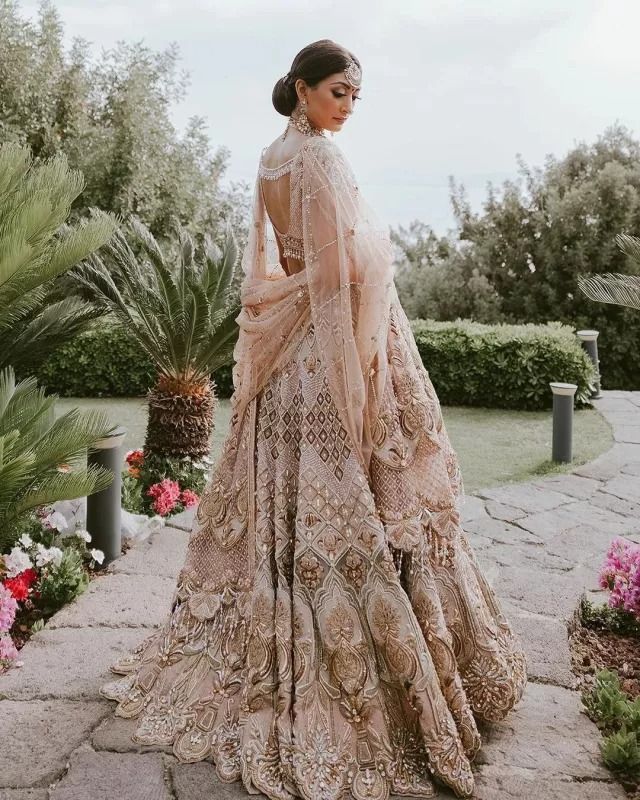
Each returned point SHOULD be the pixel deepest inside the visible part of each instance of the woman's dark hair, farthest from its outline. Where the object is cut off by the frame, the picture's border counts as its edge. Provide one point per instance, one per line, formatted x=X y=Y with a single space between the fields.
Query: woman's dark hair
x=314 y=63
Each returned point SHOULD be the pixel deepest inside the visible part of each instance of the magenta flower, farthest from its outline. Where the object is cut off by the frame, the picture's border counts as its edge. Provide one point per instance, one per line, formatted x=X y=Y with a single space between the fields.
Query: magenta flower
x=620 y=574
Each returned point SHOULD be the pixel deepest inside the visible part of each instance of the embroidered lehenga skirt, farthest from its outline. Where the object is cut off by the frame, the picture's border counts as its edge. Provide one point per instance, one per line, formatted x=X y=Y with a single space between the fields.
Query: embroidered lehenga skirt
x=331 y=634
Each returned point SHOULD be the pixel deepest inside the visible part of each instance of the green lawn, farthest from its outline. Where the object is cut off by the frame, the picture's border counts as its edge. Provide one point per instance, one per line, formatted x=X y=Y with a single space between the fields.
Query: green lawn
x=494 y=446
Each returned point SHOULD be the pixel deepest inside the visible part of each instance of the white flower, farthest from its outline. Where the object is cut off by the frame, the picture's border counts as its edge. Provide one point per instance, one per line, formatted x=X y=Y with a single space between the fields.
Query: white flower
x=97 y=556
x=57 y=520
x=48 y=555
x=16 y=562
x=84 y=535
x=25 y=540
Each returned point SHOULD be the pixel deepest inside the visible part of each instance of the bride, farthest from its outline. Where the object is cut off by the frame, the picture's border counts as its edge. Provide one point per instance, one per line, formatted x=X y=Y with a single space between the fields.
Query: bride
x=331 y=633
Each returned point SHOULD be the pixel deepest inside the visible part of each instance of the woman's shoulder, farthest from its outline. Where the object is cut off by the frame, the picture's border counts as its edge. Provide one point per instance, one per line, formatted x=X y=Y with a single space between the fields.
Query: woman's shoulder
x=278 y=152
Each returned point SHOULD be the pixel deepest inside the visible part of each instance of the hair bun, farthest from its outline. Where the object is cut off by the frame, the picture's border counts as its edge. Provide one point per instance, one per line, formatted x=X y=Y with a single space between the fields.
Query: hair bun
x=284 y=97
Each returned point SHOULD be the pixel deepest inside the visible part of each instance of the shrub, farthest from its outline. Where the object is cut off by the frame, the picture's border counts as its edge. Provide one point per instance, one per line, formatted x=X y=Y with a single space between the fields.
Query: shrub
x=497 y=366
x=618 y=717
x=502 y=366
x=107 y=362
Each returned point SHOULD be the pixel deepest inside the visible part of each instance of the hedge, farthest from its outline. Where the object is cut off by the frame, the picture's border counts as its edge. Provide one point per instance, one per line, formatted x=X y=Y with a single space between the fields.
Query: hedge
x=107 y=362
x=502 y=366
x=496 y=366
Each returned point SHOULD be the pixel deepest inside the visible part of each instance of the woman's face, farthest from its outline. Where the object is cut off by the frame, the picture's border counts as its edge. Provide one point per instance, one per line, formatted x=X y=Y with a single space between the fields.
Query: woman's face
x=329 y=103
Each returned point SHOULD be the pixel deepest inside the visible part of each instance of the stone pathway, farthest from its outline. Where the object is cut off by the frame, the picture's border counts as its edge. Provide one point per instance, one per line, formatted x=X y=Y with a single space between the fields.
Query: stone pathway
x=540 y=544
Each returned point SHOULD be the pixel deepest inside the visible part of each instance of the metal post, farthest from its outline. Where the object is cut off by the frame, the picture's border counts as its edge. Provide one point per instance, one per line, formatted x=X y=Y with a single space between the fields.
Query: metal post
x=589 y=341
x=562 y=420
x=104 y=508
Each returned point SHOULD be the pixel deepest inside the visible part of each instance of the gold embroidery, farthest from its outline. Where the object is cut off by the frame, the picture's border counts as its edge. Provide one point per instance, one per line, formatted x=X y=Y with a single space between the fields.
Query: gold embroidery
x=350 y=646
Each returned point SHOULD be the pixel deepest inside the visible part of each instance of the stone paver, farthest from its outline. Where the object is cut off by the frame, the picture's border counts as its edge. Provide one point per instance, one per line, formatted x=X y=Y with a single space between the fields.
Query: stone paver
x=114 y=734
x=197 y=781
x=39 y=735
x=162 y=555
x=118 y=600
x=540 y=545
x=68 y=662
x=545 y=643
x=550 y=717
x=492 y=784
x=113 y=776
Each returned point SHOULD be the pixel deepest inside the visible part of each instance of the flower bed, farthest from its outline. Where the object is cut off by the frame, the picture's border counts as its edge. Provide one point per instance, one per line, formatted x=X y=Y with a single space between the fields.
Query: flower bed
x=605 y=654
x=44 y=570
x=163 y=485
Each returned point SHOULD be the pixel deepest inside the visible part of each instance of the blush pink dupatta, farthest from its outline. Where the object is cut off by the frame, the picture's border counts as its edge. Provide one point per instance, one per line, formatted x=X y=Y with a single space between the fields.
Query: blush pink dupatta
x=346 y=290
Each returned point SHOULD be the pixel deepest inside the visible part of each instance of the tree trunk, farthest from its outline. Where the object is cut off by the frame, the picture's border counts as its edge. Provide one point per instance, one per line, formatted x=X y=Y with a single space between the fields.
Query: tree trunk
x=180 y=419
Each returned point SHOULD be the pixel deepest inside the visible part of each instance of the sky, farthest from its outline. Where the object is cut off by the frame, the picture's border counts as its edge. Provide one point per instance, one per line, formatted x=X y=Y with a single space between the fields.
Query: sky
x=450 y=87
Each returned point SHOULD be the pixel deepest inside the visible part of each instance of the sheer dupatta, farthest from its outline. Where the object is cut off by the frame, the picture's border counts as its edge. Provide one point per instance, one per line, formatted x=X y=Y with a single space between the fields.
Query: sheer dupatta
x=346 y=288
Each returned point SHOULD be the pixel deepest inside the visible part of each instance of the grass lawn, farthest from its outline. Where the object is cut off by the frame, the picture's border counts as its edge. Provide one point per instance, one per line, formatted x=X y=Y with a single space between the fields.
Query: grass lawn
x=494 y=446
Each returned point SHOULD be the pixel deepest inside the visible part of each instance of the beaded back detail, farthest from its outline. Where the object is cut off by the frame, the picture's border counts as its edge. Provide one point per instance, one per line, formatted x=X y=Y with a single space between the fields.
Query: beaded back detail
x=290 y=174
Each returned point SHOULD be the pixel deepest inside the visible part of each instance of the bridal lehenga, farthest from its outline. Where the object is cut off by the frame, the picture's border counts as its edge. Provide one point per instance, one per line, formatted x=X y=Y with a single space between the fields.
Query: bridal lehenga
x=331 y=634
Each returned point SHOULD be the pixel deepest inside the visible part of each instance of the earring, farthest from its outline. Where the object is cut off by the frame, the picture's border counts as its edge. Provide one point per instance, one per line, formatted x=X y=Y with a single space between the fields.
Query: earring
x=302 y=122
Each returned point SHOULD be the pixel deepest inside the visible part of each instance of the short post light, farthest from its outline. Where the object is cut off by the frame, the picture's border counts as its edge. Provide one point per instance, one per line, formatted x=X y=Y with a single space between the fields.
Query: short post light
x=563 y=394
x=104 y=507
x=589 y=341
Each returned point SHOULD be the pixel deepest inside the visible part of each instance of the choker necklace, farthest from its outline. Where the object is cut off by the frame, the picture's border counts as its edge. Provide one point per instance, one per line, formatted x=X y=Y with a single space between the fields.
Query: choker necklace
x=301 y=123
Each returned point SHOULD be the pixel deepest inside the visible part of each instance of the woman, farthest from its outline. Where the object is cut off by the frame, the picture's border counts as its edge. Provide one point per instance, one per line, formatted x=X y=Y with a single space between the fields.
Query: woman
x=331 y=633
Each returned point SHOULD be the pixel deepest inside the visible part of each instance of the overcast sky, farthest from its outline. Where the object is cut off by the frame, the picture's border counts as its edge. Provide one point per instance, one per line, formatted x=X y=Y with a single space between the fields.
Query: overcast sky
x=450 y=87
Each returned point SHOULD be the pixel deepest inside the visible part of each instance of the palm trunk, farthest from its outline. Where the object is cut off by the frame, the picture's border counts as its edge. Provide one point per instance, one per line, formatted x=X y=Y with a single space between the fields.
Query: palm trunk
x=180 y=418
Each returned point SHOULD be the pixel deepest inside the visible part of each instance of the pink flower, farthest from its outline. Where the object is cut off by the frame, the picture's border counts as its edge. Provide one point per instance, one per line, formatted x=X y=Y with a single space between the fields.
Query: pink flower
x=8 y=608
x=8 y=651
x=166 y=494
x=189 y=498
x=620 y=574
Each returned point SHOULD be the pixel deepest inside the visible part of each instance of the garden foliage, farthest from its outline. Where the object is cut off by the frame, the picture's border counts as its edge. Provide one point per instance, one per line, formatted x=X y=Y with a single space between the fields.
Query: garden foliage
x=518 y=259
x=501 y=366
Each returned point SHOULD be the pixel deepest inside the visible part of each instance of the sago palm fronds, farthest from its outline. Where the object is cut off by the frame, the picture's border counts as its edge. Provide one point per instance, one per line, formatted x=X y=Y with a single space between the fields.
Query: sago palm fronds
x=612 y=287
x=42 y=458
x=36 y=246
x=182 y=311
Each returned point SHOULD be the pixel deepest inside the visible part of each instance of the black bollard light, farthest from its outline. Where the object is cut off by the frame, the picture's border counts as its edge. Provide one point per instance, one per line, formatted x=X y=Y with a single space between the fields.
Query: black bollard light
x=104 y=508
x=563 y=393
x=589 y=341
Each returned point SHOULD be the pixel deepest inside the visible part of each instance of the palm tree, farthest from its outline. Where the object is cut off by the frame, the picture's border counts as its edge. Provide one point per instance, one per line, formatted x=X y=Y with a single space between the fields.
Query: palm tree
x=36 y=246
x=33 y=447
x=613 y=287
x=182 y=314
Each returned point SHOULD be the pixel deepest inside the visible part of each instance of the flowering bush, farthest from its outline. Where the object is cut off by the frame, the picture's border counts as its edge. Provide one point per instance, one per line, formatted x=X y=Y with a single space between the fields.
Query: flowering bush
x=44 y=570
x=620 y=574
x=162 y=485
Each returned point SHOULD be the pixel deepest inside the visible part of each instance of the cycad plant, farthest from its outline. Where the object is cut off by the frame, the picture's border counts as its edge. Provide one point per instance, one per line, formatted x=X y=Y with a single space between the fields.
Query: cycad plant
x=42 y=458
x=180 y=306
x=613 y=287
x=36 y=246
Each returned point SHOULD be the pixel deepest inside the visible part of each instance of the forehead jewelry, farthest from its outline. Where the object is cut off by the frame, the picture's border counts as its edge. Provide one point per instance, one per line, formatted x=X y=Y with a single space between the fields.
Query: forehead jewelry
x=353 y=73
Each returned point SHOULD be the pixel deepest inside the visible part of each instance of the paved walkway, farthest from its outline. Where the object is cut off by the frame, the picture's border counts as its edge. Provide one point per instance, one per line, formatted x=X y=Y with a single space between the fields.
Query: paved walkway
x=540 y=543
